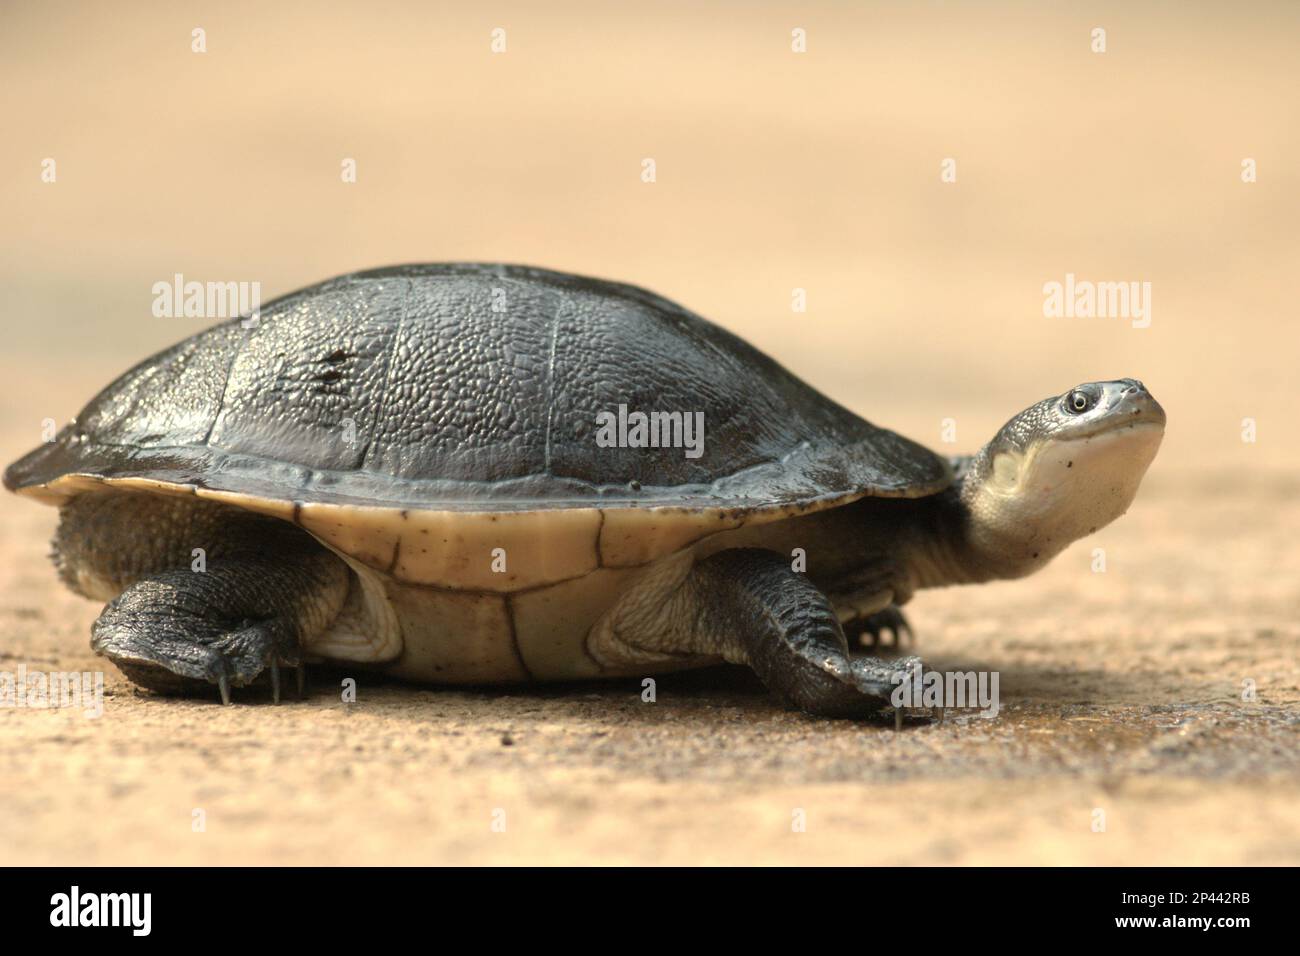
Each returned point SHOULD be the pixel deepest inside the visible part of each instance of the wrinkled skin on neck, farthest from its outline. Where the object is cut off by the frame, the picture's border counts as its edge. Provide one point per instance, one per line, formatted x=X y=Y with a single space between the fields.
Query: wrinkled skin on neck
x=1058 y=471
x=1050 y=476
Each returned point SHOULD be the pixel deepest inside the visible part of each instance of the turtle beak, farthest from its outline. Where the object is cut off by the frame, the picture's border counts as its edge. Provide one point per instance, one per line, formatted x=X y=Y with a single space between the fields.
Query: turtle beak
x=1120 y=405
x=1131 y=402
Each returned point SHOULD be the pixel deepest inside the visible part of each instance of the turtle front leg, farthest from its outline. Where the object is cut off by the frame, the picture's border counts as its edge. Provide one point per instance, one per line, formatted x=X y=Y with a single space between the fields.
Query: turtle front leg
x=748 y=606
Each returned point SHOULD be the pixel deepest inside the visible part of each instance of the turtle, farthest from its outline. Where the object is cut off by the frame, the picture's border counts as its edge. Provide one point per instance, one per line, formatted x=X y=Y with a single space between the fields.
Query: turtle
x=478 y=474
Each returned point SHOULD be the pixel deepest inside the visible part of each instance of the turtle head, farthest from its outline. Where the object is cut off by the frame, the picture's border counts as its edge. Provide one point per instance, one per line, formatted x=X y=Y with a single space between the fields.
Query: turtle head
x=1059 y=470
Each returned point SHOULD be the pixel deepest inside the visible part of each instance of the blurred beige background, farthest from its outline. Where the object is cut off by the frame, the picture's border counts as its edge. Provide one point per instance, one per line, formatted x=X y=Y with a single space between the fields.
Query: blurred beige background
x=775 y=171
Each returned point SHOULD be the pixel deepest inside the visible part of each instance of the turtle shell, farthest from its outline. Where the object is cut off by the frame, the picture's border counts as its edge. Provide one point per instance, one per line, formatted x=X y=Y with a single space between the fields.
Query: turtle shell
x=466 y=402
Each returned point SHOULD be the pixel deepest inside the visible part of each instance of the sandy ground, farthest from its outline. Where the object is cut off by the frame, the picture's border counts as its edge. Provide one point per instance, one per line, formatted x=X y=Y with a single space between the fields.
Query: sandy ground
x=1124 y=692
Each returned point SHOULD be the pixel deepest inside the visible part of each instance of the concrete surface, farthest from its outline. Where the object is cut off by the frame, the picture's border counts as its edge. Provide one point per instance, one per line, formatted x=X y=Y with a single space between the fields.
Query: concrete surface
x=1122 y=691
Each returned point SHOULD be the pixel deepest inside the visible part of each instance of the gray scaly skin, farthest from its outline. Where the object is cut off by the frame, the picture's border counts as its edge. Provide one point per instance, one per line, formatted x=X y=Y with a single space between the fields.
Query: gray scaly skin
x=264 y=586
x=1061 y=469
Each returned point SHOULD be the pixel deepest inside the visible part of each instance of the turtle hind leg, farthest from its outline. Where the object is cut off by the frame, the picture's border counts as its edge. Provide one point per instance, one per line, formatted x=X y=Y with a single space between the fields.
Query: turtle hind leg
x=265 y=587
x=748 y=606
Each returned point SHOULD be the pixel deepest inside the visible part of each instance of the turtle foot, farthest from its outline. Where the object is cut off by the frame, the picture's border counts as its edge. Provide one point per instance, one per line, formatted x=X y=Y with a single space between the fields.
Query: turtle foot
x=879 y=677
x=182 y=632
x=180 y=665
x=887 y=682
x=789 y=633
x=871 y=631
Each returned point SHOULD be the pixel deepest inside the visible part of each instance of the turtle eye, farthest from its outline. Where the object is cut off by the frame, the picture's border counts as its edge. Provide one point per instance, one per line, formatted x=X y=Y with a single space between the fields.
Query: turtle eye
x=1077 y=402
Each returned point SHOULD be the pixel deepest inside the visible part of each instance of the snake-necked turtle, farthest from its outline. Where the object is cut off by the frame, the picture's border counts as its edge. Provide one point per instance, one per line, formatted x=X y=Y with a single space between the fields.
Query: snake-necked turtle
x=485 y=473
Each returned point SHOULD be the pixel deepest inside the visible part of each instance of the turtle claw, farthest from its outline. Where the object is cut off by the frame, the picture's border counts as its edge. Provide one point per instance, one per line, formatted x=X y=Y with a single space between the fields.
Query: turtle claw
x=178 y=661
x=879 y=677
x=870 y=631
x=273 y=666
